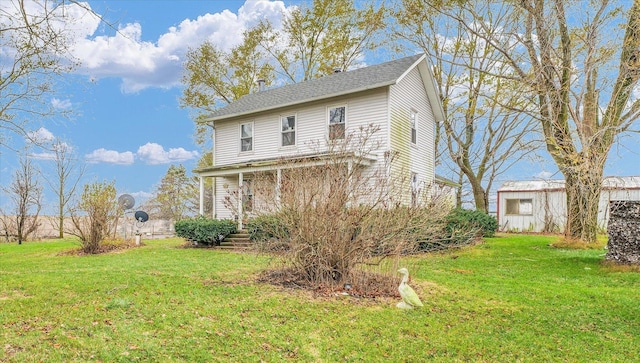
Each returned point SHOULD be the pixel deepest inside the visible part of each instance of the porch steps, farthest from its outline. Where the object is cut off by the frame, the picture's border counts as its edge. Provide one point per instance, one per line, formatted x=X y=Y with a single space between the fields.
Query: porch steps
x=237 y=241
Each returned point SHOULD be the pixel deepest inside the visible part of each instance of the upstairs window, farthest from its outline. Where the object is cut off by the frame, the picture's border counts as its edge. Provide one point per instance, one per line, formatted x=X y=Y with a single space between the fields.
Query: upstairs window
x=413 y=117
x=288 y=130
x=337 y=118
x=246 y=137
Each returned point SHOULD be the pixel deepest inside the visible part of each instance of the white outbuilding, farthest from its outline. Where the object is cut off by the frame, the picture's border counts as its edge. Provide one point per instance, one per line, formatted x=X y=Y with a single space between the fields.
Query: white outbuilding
x=541 y=205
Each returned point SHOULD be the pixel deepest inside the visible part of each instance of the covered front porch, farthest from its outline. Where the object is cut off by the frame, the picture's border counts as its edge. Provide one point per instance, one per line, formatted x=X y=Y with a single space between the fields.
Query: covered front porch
x=234 y=184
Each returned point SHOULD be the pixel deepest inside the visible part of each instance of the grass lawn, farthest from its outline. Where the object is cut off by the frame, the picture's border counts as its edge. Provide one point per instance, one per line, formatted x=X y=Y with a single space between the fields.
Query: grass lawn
x=513 y=298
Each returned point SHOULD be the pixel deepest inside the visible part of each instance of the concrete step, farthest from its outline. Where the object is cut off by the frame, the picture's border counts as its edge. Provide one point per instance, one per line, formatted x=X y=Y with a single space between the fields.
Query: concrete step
x=237 y=241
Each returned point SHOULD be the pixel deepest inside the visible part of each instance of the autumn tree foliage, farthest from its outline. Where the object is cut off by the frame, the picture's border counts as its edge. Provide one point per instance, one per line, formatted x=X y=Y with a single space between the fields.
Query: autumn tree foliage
x=174 y=195
x=314 y=40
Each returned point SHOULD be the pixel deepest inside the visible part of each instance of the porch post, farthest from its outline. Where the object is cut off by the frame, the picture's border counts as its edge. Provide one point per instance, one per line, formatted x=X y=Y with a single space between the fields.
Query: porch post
x=201 y=201
x=240 y=196
x=349 y=182
x=278 y=185
x=214 y=209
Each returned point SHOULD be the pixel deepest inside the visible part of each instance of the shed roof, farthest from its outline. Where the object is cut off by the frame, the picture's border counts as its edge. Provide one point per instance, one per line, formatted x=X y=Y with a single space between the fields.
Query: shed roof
x=621 y=182
x=531 y=185
x=610 y=182
x=332 y=85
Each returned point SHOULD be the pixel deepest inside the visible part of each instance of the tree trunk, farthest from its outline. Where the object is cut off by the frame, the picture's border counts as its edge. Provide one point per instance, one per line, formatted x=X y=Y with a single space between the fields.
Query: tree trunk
x=479 y=195
x=583 y=196
x=459 y=194
x=61 y=222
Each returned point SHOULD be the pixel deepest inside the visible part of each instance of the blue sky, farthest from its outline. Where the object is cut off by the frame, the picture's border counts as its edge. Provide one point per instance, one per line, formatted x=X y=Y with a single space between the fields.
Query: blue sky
x=127 y=124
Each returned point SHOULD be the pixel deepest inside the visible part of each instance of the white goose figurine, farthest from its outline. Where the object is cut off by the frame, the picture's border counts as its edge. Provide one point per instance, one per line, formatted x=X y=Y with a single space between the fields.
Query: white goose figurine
x=409 y=297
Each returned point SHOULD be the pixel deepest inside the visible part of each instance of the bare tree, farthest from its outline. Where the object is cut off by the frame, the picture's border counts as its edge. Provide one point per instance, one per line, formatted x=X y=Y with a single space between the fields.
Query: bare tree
x=35 y=47
x=68 y=173
x=26 y=194
x=581 y=74
x=484 y=134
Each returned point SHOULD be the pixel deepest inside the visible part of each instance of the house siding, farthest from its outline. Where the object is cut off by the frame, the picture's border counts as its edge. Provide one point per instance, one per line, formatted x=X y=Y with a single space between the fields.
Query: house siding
x=311 y=128
x=224 y=188
x=410 y=94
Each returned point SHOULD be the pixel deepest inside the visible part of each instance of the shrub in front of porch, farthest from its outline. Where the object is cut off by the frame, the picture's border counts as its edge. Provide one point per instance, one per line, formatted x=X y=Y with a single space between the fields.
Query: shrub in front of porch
x=205 y=231
x=267 y=227
x=348 y=219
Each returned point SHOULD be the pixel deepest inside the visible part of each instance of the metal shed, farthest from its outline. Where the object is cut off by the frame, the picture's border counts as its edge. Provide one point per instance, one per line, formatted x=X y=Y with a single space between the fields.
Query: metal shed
x=541 y=205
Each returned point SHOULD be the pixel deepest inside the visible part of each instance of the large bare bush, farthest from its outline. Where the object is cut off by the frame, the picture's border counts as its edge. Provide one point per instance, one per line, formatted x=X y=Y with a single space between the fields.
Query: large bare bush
x=342 y=210
x=95 y=215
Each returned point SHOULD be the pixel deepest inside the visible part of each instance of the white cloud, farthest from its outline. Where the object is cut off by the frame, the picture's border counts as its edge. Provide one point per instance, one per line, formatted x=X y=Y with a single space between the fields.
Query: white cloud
x=40 y=136
x=141 y=195
x=61 y=104
x=43 y=156
x=143 y=64
x=543 y=175
x=154 y=154
x=110 y=156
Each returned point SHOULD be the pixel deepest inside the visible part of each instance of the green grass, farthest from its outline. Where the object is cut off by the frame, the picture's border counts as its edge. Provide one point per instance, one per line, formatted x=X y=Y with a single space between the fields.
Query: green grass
x=514 y=298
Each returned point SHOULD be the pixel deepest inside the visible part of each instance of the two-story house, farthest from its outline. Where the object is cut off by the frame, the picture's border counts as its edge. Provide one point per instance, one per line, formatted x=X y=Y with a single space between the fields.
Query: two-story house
x=255 y=133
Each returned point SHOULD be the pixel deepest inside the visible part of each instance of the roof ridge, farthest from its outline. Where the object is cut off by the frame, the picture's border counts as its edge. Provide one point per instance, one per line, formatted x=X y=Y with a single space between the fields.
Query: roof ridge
x=334 y=84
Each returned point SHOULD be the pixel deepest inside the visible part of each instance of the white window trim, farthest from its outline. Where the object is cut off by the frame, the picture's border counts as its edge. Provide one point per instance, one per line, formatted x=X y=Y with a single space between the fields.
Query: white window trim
x=253 y=137
x=295 y=131
x=520 y=213
x=329 y=122
x=413 y=112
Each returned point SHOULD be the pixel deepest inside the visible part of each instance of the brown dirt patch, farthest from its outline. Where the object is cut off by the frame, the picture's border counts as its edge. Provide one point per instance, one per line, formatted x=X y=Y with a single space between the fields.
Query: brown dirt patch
x=362 y=284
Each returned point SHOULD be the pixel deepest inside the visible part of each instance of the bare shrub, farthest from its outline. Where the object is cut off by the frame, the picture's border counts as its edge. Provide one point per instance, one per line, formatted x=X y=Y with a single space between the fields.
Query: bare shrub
x=25 y=193
x=344 y=211
x=95 y=215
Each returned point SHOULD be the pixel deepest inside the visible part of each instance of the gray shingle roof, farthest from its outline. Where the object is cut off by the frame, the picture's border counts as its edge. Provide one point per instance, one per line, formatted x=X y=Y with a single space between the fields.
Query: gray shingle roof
x=332 y=85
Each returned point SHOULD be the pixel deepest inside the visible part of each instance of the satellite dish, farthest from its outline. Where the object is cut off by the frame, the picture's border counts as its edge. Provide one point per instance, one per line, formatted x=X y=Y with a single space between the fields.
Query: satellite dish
x=125 y=201
x=141 y=216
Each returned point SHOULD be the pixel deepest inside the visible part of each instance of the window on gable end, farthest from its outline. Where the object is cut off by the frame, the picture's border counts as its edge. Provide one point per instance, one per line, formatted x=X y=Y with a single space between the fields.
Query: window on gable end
x=413 y=120
x=337 y=121
x=288 y=130
x=246 y=137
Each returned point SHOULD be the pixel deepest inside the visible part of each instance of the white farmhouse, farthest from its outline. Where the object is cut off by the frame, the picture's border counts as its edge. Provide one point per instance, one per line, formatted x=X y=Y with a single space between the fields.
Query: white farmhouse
x=541 y=205
x=255 y=133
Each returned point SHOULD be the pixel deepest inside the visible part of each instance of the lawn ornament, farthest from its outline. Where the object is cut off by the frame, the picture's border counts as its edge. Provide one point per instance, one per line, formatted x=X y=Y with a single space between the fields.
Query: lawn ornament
x=409 y=297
